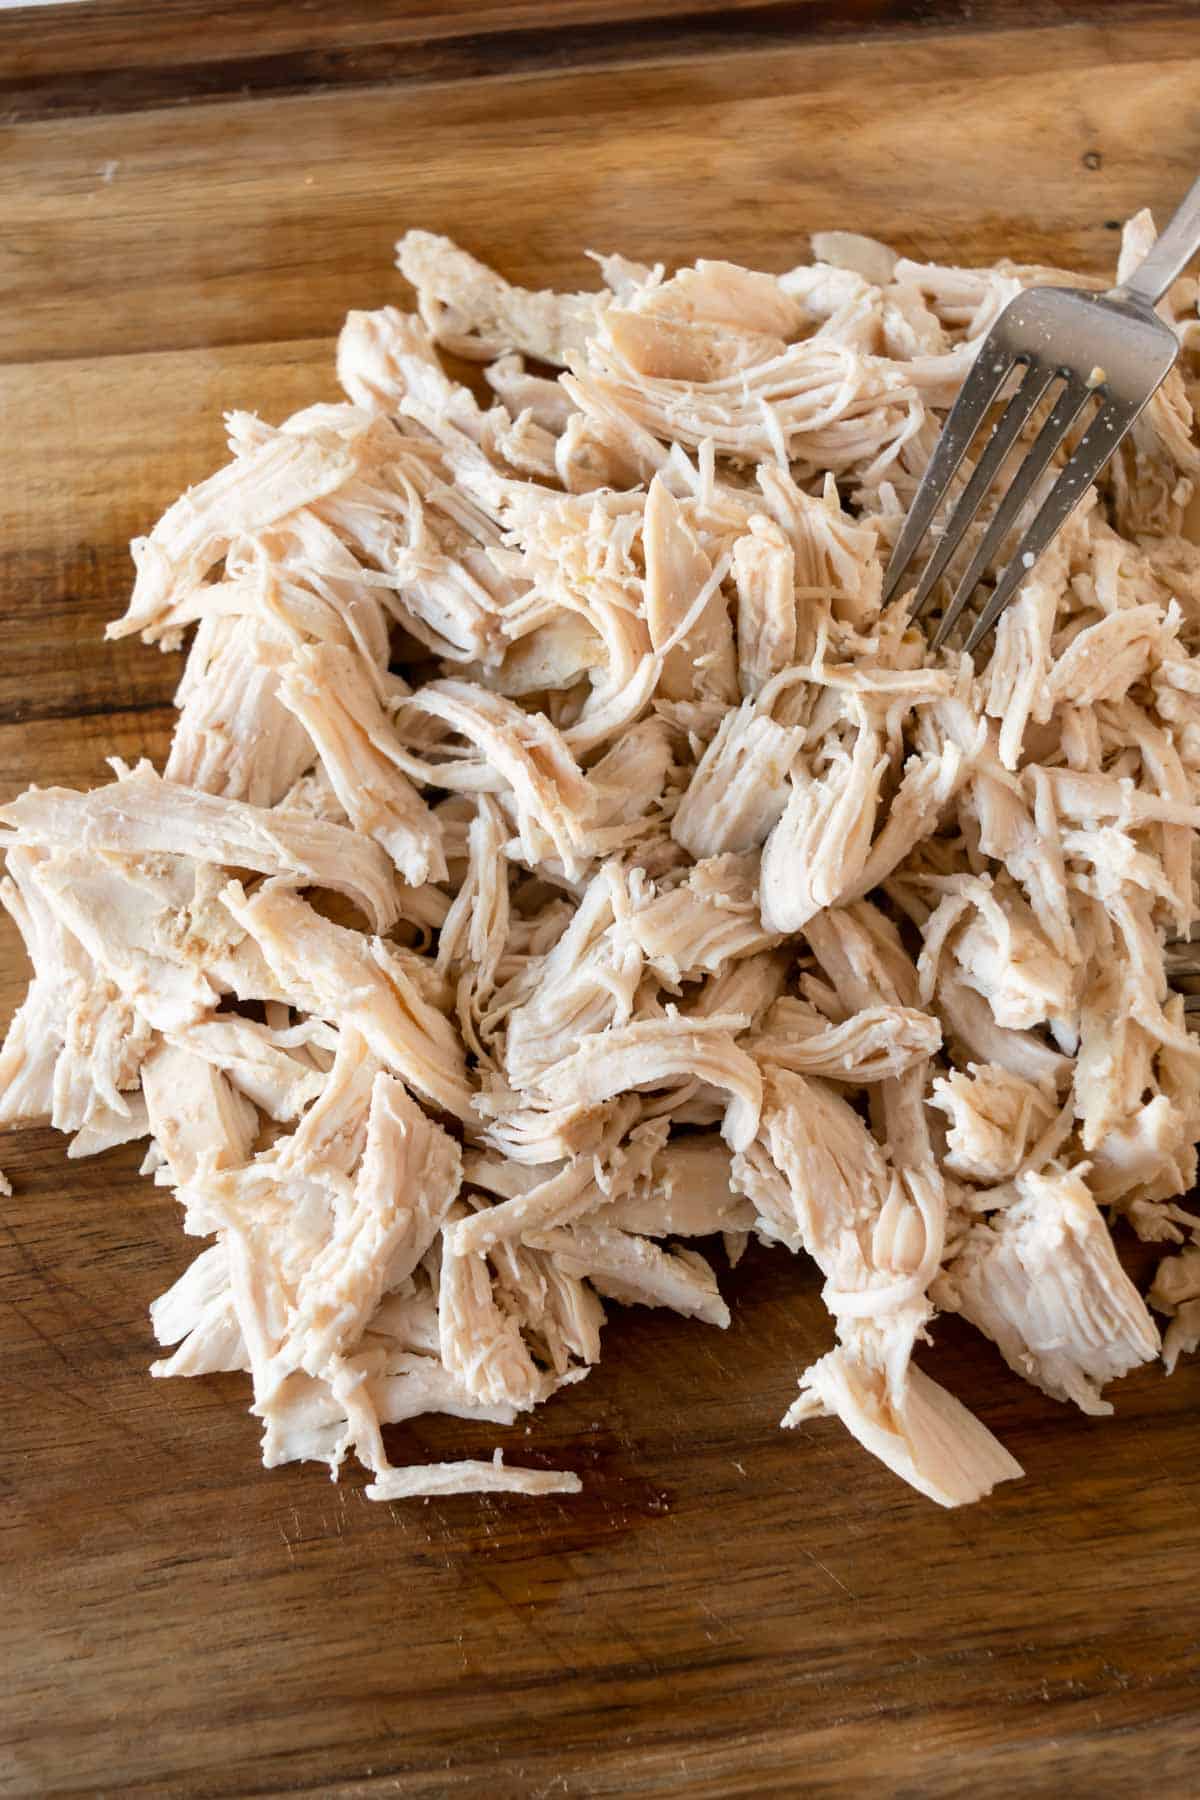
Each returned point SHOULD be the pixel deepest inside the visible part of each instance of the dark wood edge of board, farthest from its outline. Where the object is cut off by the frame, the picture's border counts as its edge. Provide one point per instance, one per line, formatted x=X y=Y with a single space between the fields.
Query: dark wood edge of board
x=105 y=57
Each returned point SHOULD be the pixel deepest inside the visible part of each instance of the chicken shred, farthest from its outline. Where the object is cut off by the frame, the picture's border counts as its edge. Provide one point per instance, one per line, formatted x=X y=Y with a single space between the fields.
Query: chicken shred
x=563 y=855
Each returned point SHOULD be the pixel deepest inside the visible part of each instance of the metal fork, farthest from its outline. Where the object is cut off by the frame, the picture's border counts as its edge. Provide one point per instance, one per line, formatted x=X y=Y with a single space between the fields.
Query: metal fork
x=1111 y=349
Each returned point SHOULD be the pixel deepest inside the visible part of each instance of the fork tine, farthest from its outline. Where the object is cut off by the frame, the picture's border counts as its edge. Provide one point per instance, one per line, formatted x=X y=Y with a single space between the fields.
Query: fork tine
x=986 y=377
x=1065 y=411
x=1095 y=447
x=1008 y=428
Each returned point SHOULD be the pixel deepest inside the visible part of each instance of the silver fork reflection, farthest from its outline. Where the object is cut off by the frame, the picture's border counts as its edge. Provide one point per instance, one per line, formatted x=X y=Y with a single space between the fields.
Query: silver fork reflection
x=1108 y=350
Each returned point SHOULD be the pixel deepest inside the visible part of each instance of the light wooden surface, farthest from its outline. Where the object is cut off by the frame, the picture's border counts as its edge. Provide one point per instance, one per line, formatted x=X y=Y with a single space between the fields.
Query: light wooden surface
x=727 y=1610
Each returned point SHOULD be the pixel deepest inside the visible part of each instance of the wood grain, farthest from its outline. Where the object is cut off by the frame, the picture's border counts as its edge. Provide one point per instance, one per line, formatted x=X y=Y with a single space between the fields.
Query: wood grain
x=258 y=221
x=121 y=57
x=727 y=1609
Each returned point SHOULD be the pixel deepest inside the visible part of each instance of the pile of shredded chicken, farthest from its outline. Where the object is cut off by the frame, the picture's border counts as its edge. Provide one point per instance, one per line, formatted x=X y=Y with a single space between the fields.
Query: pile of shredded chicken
x=563 y=856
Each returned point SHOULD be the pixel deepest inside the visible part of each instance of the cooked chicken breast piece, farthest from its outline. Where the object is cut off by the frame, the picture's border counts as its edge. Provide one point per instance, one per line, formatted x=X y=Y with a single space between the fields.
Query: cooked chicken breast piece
x=563 y=855
x=349 y=979
x=142 y=815
x=1043 y=1282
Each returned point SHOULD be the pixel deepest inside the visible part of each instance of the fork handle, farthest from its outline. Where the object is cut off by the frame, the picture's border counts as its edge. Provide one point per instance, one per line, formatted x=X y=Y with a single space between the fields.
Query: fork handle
x=1170 y=255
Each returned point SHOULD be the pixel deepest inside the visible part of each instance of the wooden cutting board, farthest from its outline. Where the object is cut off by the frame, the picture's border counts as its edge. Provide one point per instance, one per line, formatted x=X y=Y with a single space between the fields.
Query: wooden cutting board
x=190 y=198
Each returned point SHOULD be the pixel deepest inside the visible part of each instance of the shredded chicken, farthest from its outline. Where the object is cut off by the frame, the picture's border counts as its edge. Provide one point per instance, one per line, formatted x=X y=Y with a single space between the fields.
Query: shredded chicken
x=563 y=857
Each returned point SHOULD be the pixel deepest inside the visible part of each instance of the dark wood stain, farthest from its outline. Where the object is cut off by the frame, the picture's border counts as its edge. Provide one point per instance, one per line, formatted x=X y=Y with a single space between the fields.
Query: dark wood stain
x=175 y=63
x=726 y=1610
